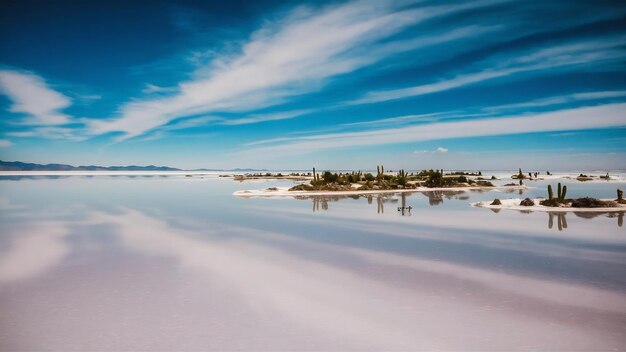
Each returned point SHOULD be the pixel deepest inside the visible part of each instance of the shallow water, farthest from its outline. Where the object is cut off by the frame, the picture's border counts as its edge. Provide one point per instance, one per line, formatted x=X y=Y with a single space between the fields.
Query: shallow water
x=178 y=263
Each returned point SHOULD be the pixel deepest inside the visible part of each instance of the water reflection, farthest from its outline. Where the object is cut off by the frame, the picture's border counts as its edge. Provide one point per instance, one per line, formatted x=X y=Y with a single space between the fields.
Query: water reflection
x=436 y=197
x=561 y=220
x=321 y=202
x=561 y=217
x=139 y=265
x=592 y=215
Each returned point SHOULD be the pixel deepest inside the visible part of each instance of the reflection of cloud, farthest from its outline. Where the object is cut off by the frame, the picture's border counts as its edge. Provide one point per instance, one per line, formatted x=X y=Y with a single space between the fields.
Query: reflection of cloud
x=359 y=298
x=479 y=230
x=347 y=296
x=322 y=296
x=37 y=248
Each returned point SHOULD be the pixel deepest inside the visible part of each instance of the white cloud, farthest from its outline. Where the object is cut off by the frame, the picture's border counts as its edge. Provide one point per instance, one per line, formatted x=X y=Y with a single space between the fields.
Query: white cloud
x=490 y=111
x=562 y=56
x=153 y=88
x=50 y=132
x=256 y=118
x=285 y=58
x=439 y=150
x=5 y=143
x=602 y=116
x=561 y=99
x=31 y=96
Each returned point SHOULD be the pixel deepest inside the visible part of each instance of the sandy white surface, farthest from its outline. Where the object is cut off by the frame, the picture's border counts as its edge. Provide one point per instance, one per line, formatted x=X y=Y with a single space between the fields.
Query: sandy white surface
x=513 y=204
x=284 y=191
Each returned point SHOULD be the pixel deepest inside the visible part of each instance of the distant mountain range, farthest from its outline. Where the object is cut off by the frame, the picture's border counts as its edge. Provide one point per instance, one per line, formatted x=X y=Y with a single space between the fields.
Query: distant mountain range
x=20 y=166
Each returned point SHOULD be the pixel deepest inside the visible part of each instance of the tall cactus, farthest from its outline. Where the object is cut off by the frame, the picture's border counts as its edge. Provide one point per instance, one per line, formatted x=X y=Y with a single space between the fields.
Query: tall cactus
x=380 y=170
x=550 y=194
x=564 y=193
x=620 y=195
x=559 y=191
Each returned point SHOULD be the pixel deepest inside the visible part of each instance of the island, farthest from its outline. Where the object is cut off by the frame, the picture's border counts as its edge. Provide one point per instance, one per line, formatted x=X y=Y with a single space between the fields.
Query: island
x=357 y=182
x=560 y=203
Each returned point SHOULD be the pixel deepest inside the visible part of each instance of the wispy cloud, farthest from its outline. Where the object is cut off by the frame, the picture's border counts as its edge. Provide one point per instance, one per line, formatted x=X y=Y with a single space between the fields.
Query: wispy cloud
x=277 y=62
x=561 y=99
x=153 y=88
x=31 y=96
x=256 y=118
x=602 y=116
x=50 y=132
x=557 y=57
x=5 y=143
x=490 y=111
x=440 y=150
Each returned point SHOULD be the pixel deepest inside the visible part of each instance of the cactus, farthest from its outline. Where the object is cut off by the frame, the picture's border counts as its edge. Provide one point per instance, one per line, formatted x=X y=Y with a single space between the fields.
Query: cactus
x=620 y=195
x=316 y=178
x=558 y=192
x=564 y=193
x=520 y=174
x=550 y=194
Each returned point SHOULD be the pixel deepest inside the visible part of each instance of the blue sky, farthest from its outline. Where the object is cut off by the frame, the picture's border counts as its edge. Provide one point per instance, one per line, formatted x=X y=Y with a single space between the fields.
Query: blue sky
x=487 y=84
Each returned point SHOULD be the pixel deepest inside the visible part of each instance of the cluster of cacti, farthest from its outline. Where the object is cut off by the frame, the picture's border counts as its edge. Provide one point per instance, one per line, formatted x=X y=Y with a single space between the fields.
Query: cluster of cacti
x=560 y=196
x=380 y=170
x=402 y=177
x=561 y=192
x=620 y=195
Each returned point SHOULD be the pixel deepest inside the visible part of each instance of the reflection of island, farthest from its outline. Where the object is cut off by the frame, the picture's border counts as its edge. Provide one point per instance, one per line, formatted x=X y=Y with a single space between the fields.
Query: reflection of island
x=561 y=218
x=321 y=202
x=436 y=197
